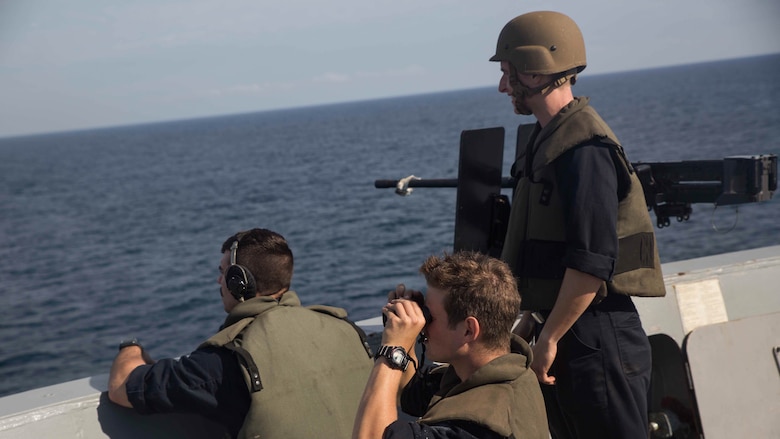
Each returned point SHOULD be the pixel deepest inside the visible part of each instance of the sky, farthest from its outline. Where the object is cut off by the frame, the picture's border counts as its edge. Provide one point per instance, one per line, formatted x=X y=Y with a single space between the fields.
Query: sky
x=76 y=64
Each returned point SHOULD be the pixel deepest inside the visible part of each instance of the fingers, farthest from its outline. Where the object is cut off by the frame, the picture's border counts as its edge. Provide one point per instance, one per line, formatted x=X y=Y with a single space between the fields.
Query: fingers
x=403 y=308
x=544 y=355
x=544 y=378
x=404 y=322
x=541 y=374
x=406 y=311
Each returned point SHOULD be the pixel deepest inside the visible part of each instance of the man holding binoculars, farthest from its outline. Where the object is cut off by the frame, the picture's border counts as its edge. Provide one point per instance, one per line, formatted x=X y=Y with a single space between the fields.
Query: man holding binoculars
x=481 y=385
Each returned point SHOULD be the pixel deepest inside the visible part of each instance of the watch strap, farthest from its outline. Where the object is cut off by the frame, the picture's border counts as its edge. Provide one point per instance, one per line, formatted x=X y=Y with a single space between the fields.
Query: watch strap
x=131 y=342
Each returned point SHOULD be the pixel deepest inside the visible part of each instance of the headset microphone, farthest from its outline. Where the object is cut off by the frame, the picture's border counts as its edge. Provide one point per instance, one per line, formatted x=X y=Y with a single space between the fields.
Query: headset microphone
x=239 y=279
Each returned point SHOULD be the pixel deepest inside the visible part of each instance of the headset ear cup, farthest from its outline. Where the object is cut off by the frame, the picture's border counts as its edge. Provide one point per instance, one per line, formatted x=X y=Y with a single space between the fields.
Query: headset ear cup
x=251 y=285
x=240 y=282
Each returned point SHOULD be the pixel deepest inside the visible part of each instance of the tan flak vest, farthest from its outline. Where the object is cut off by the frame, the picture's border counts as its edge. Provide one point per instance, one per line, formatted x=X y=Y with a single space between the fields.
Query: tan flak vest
x=503 y=395
x=535 y=241
x=305 y=368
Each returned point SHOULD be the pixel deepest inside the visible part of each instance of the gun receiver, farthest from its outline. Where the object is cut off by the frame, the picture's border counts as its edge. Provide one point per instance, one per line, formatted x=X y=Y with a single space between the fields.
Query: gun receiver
x=669 y=187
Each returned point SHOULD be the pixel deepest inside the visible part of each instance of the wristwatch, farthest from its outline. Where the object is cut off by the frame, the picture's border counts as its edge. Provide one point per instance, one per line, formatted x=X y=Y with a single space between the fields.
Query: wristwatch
x=131 y=342
x=396 y=356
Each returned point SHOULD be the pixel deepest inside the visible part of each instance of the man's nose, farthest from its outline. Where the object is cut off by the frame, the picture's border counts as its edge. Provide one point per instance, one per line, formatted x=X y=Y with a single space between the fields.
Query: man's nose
x=503 y=85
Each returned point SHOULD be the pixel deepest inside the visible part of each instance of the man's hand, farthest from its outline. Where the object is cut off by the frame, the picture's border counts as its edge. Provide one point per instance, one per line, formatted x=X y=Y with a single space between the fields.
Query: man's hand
x=544 y=355
x=577 y=292
x=405 y=318
x=125 y=362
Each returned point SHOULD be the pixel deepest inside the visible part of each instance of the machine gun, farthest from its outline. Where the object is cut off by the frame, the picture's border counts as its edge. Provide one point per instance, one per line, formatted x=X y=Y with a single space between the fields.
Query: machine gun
x=670 y=188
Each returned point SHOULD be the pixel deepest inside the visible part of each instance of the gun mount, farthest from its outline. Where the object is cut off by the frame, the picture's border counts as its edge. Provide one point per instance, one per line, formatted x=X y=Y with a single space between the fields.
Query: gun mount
x=670 y=188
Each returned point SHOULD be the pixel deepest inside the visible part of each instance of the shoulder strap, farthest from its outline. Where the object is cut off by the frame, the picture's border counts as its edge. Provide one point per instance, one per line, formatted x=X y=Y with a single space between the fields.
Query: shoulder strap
x=362 y=335
x=341 y=314
x=249 y=364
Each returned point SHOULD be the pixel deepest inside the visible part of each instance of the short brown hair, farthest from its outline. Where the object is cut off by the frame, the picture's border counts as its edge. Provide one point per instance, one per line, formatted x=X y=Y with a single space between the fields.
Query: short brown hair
x=477 y=285
x=266 y=255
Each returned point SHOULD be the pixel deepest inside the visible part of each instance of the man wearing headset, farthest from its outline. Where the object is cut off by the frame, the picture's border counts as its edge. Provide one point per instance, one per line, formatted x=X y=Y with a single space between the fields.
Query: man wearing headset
x=274 y=370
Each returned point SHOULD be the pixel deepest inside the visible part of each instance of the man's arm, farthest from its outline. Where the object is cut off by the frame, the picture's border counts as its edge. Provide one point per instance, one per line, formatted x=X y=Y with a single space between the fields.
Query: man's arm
x=577 y=292
x=588 y=182
x=379 y=405
x=125 y=362
x=401 y=292
x=209 y=381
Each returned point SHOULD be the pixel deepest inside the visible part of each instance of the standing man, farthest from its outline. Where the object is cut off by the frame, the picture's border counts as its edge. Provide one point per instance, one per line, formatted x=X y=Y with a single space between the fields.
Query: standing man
x=485 y=390
x=274 y=370
x=580 y=240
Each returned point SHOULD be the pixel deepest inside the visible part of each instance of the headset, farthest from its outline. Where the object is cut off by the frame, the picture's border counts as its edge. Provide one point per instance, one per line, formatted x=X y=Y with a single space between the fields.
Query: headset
x=239 y=279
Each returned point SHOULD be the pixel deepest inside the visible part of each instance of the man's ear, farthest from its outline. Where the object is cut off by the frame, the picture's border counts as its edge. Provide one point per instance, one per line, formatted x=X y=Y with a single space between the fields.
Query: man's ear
x=539 y=80
x=472 y=329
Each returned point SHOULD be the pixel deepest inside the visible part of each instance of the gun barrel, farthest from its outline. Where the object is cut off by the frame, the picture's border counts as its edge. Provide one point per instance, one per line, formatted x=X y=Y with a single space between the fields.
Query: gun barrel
x=506 y=182
x=436 y=182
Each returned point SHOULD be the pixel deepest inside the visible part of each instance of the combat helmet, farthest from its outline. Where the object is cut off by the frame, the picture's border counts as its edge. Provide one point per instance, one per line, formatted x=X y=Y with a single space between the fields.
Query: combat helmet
x=542 y=43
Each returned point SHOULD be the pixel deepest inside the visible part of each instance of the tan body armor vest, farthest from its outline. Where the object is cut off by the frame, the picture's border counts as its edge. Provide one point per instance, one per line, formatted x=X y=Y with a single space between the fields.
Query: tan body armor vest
x=535 y=241
x=305 y=368
x=503 y=396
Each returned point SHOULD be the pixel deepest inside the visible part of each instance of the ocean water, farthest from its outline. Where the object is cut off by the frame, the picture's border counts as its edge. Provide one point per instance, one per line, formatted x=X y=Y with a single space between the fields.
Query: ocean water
x=112 y=233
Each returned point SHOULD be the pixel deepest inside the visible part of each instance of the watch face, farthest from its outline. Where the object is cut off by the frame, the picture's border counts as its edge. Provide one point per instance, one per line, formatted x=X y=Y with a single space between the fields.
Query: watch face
x=398 y=356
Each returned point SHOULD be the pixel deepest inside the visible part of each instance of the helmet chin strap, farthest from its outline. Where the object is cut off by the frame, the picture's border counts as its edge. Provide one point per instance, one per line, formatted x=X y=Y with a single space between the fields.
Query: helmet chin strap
x=522 y=92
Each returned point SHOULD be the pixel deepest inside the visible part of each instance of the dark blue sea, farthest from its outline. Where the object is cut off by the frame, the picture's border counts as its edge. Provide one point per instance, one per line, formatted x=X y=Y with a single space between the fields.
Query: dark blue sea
x=116 y=232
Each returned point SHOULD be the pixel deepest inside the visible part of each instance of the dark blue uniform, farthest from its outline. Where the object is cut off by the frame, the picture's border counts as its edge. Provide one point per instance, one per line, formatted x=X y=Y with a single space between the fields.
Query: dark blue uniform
x=603 y=363
x=208 y=382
